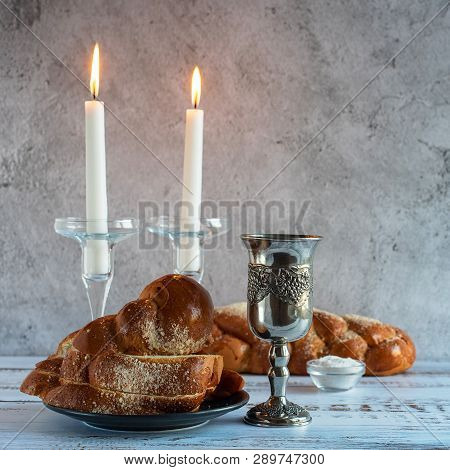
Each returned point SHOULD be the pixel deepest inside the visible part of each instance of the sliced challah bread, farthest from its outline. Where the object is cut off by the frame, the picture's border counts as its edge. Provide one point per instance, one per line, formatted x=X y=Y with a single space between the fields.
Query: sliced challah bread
x=142 y=360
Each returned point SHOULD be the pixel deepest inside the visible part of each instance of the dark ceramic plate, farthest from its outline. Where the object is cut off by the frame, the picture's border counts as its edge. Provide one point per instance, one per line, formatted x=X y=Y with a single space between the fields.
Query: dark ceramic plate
x=166 y=422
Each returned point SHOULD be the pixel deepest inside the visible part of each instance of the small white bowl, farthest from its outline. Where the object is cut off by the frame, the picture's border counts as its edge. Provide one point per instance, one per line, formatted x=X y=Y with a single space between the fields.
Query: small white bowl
x=337 y=378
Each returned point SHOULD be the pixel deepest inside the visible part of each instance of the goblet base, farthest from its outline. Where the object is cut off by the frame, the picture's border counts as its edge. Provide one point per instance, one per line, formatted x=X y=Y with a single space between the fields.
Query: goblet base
x=277 y=412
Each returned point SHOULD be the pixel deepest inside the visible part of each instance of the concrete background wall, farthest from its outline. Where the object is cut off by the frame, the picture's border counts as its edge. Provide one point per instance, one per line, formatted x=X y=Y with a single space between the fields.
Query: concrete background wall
x=274 y=72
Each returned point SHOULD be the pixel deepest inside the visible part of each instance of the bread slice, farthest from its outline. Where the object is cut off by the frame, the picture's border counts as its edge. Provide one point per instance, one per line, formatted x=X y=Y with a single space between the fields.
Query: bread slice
x=168 y=376
x=84 y=397
x=89 y=399
x=39 y=382
x=153 y=375
x=122 y=384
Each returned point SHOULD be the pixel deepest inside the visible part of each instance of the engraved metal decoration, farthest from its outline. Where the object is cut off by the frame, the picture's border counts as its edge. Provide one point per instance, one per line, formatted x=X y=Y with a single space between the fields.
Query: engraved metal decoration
x=258 y=282
x=291 y=285
x=278 y=408
x=279 y=307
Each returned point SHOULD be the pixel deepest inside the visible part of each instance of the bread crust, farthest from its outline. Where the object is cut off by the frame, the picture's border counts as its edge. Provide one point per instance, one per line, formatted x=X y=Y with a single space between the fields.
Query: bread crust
x=385 y=349
x=230 y=382
x=86 y=398
x=140 y=361
x=39 y=382
x=137 y=381
x=184 y=315
x=392 y=356
x=156 y=375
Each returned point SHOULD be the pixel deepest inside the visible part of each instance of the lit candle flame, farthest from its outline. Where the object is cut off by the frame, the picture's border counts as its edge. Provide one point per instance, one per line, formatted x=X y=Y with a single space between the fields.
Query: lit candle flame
x=95 y=72
x=196 y=87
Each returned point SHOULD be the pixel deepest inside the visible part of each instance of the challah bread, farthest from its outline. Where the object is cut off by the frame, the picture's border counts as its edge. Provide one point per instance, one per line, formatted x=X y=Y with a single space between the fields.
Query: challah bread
x=172 y=316
x=178 y=320
x=141 y=361
x=385 y=349
x=180 y=385
x=83 y=397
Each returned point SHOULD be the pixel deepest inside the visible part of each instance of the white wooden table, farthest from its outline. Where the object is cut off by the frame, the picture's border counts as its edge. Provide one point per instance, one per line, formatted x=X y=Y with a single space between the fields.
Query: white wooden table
x=406 y=411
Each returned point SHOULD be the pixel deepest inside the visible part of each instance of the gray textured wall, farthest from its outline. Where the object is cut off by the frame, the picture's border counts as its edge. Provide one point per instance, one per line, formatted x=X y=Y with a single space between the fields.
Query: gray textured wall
x=274 y=72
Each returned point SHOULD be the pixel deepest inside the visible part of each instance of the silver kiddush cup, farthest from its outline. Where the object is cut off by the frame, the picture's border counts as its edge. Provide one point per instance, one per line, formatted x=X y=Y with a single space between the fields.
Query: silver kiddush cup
x=279 y=307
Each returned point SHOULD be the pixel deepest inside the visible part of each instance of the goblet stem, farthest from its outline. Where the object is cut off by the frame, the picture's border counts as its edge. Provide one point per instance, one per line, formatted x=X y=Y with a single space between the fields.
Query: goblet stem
x=278 y=410
x=279 y=373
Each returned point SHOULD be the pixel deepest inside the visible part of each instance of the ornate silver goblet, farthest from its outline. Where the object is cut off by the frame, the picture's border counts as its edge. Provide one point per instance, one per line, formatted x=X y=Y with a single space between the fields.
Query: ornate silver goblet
x=279 y=308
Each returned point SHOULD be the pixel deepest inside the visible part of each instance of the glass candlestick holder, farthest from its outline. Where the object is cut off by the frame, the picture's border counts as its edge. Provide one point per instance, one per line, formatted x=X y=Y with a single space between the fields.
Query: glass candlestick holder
x=187 y=239
x=97 y=239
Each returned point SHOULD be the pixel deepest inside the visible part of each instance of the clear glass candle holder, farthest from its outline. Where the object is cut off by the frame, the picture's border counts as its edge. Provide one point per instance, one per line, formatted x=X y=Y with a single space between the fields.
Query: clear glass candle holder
x=187 y=238
x=97 y=239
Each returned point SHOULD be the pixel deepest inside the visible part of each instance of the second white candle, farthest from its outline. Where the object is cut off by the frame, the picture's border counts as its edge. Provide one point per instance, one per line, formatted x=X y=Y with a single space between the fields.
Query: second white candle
x=192 y=181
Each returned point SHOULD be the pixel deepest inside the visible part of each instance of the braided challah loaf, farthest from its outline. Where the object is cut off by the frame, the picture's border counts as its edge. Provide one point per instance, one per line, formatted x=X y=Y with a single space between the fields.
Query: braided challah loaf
x=141 y=361
x=385 y=349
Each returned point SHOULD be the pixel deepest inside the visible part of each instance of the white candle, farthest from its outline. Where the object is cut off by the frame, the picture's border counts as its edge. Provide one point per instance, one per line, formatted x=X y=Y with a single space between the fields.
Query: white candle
x=192 y=180
x=96 y=260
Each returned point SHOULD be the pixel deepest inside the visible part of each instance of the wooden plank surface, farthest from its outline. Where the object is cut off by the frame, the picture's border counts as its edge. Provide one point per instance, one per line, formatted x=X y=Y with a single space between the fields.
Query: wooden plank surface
x=407 y=411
